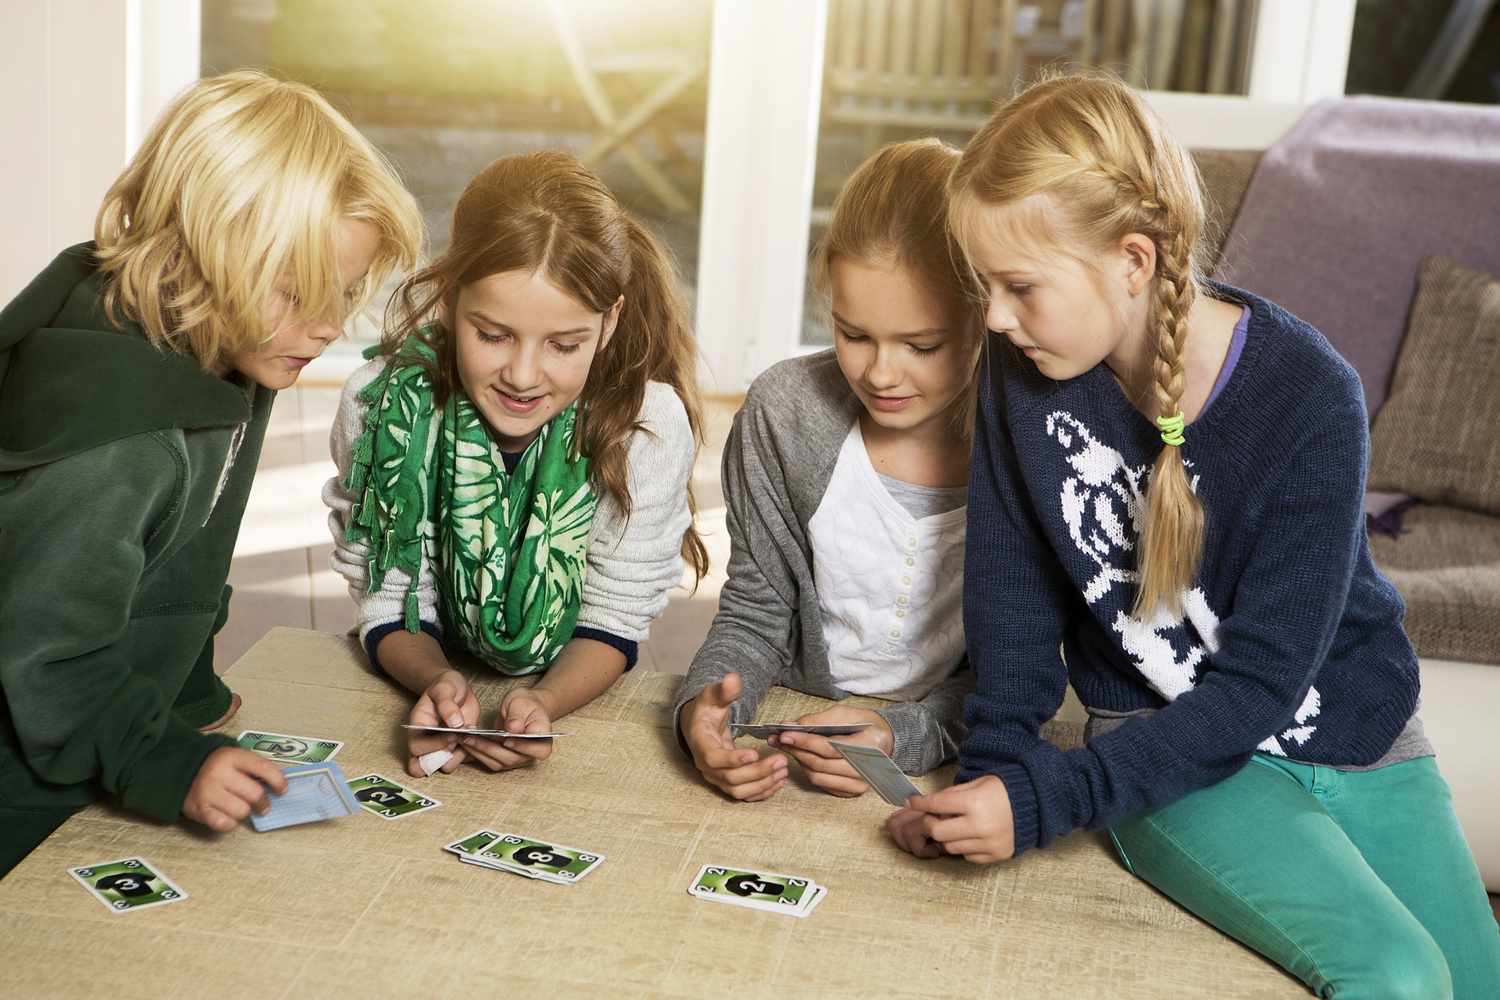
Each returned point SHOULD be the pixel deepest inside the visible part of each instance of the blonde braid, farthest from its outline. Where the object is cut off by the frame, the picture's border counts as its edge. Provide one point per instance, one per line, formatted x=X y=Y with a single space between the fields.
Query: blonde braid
x=1172 y=537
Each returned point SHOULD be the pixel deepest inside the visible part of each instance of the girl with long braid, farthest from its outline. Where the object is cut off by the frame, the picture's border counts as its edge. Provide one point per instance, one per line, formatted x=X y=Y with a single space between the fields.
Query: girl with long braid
x=1167 y=488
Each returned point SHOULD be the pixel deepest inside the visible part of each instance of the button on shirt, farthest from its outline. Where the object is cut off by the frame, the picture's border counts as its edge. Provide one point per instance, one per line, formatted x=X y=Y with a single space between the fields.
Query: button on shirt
x=890 y=584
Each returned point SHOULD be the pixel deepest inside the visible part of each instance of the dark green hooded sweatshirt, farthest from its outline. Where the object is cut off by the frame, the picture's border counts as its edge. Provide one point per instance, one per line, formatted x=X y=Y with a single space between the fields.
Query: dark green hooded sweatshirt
x=117 y=524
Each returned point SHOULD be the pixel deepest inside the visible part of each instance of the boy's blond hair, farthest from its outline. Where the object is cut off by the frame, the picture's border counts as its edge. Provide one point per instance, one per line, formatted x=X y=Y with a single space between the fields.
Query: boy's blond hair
x=238 y=186
x=1092 y=147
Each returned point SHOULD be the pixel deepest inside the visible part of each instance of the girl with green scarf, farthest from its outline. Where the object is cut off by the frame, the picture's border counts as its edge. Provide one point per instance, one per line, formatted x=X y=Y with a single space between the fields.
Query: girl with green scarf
x=514 y=464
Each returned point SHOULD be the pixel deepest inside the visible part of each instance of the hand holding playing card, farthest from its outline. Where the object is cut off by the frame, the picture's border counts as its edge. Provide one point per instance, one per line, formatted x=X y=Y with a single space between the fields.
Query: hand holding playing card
x=526 y=710
x=826 y=767
x=229 y=785
x=448 y=701
x=741 y=773
x=972 y=819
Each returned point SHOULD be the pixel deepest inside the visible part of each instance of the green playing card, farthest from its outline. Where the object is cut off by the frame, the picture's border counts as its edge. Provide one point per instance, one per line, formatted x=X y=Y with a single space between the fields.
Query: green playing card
x=289 y=749
x=757 y=890
x=126 y=885
x=552 y=862
x=473 y=843
x=388 y=800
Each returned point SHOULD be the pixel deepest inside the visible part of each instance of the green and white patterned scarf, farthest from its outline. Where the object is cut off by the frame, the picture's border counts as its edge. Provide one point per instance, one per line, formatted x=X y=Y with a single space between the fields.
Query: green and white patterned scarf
x=510 y=547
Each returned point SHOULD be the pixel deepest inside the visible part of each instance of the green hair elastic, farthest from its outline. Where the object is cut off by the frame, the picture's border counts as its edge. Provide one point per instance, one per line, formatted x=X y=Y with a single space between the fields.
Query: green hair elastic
x=1171 y=429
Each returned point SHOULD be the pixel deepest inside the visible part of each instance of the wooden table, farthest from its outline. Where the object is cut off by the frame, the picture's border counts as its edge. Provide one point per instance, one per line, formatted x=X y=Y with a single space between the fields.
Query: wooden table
x=370 y=908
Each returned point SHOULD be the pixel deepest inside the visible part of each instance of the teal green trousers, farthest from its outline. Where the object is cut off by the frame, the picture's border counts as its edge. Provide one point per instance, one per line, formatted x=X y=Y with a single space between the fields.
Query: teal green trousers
x=1359 y=883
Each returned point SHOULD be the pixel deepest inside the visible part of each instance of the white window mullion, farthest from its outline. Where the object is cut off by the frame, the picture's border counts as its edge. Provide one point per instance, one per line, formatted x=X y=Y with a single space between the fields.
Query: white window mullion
x=1300 y=51
x=760 y=151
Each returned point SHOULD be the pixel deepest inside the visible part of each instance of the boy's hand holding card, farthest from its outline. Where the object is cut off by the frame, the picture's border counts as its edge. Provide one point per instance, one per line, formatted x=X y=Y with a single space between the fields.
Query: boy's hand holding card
x=314 y=792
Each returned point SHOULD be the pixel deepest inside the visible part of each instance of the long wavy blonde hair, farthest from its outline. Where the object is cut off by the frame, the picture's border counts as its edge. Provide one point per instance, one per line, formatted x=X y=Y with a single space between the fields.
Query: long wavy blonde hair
x=895 y=207
x=1108 y=168
x=547 y=212
x=239 y=185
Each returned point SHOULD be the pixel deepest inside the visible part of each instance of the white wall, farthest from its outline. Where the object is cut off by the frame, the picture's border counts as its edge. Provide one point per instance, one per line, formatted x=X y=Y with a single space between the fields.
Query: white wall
x=81 y=80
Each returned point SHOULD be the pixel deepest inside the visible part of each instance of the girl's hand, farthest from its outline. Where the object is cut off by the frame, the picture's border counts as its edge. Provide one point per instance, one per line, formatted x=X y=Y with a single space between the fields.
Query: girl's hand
x=448 y=701
x=905 y=828
x=825 y=766
x=739 y=772
x=524 y=710
x=973 y=820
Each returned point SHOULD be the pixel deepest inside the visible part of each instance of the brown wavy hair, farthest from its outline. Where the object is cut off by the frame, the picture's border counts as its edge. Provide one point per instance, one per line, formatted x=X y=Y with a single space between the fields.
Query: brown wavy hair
x=547 y=212
x=1090 y=144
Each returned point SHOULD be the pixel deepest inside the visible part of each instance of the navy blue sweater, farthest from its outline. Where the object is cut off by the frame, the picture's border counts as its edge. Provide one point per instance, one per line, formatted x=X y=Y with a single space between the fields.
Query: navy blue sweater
x=1290 y=642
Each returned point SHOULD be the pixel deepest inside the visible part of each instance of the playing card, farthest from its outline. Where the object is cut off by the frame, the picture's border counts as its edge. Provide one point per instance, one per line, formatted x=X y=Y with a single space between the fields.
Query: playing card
x=879 y=770
x=388 y=799
x=127 y=884
x=493 y=734
x=480 y=863
x=314 y=792
x=765 y=729
x=289 y=749
x=757 y=890
x=471 y=845
x=548 y=861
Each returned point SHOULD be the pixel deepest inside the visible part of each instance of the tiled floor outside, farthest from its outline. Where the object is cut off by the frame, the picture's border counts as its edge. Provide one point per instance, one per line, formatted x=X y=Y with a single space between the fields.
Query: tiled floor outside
x=280 y=571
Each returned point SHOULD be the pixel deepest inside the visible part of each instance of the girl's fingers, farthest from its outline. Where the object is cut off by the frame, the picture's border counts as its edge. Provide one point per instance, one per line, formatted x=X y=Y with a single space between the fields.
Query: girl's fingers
x=454 y=761
x=488 y=754
x=716 y=758
x=967 y=845
x=761 y=797
x=947 y=829
x=812 y=746
x=837 y=785
x=755 y=791
x=534 y=749
x=759 y=770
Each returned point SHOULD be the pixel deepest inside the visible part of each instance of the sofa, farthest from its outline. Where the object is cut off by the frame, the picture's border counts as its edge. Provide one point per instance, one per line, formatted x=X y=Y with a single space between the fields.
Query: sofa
x=1445 y=561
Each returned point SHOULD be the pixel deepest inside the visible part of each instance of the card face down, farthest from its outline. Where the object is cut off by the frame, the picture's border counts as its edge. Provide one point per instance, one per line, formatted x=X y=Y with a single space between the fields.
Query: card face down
x=314 y=792
x=879 y=770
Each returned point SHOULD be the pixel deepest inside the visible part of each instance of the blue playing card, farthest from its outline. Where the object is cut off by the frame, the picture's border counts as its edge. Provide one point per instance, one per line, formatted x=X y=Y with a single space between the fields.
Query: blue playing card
x=314 y=792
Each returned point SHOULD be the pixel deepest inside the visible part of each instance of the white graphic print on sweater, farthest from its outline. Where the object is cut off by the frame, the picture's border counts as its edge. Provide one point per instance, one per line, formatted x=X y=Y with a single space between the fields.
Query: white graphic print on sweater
x=1103 y=504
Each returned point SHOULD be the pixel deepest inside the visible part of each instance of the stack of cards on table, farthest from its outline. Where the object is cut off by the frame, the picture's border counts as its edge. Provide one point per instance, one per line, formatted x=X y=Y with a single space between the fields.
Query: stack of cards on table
x=757 y=890
x=545 y=861
x=314 y=792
